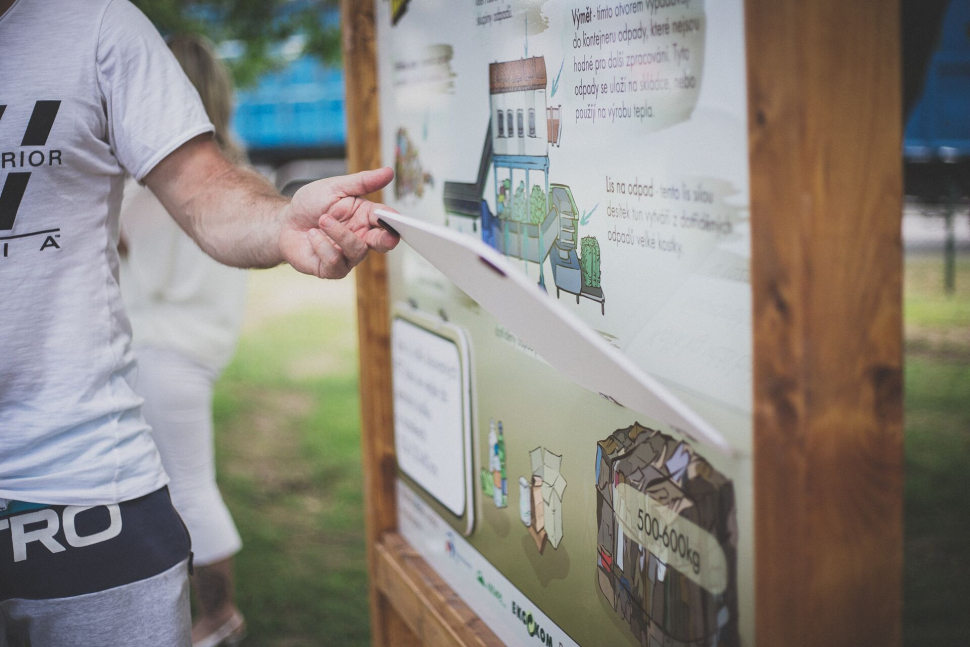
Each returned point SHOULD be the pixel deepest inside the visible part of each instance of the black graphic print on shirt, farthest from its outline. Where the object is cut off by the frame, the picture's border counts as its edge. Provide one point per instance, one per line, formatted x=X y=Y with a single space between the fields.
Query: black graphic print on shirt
x=18 y=165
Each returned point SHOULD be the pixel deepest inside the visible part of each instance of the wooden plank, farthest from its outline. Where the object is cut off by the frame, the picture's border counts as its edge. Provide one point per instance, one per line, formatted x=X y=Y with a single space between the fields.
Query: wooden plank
x=377 y=421
x=399 y=634
x=826 y=188
x=435 y=613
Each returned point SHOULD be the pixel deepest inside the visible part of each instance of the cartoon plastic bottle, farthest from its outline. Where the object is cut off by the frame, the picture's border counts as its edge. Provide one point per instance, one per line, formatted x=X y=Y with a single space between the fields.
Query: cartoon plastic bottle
x=492 y=442
x=493 y=464
x=525 y=501
x=500 y=451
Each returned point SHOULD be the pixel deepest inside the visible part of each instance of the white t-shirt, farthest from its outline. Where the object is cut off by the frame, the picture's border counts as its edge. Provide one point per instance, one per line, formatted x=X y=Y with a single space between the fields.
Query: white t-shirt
x=88 y=92
x=177 y=297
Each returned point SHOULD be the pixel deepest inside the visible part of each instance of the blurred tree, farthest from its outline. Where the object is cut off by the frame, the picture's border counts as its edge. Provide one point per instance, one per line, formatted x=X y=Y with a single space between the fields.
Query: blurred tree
x=268 y=32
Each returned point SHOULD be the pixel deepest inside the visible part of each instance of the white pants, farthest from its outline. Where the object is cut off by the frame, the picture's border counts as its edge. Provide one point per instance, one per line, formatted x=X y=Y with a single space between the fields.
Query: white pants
x=178 y=406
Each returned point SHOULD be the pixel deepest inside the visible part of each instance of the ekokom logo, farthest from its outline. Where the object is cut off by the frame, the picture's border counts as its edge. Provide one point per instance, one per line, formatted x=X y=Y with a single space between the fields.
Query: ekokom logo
x=532 y=625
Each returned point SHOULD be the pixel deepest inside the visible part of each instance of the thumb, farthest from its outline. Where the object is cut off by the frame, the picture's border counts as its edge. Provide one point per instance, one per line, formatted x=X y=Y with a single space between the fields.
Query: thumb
x=362 y=183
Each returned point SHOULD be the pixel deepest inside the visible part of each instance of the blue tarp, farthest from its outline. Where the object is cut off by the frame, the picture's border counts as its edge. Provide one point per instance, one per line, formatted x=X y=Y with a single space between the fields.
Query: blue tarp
x=939 y=127
x=300 y=106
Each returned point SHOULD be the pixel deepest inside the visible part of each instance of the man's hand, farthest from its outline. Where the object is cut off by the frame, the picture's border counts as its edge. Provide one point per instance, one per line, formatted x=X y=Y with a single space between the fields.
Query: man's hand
x=328 y=228
x=239 y=219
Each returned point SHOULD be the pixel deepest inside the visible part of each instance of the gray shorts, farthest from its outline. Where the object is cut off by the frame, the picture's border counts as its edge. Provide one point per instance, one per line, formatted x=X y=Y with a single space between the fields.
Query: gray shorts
x=94 y=576
x=150 y=613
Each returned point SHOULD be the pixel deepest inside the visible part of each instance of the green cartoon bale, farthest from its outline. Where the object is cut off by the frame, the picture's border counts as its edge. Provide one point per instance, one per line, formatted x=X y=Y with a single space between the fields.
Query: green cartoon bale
x=537 y=205
x=519 y=204
x=519 y=207
x=589 y=261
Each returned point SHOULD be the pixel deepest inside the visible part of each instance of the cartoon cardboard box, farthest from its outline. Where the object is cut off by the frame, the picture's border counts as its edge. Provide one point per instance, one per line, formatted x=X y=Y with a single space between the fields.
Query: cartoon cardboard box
x=548 y=486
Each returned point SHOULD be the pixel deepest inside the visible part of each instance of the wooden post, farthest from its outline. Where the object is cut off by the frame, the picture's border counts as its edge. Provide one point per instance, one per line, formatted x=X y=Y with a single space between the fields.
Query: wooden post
x=825 y=131
x=373 y=320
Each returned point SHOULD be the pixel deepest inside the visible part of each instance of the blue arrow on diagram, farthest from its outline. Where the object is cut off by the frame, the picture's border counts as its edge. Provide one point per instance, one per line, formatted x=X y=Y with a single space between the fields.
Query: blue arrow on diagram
x=555 y=82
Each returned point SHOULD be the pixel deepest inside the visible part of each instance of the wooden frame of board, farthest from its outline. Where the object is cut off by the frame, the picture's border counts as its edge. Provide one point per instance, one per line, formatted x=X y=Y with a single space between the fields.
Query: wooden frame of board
x=825 y=133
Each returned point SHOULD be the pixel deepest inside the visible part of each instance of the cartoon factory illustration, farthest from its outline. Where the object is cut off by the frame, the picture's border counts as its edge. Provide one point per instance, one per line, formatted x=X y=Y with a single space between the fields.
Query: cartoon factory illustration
x=534 y=220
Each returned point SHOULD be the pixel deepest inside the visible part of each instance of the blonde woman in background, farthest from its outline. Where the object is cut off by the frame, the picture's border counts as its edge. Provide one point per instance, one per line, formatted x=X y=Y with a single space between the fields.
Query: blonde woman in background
x=185 y=311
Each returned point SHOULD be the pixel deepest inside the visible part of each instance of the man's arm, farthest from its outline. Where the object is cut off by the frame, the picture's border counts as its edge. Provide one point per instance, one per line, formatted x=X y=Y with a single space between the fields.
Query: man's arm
x=239 y=219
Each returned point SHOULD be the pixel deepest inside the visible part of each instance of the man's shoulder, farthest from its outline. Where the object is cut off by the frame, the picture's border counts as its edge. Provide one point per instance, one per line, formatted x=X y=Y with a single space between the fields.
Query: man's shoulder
x=78 y=21
x=121 y=20
x=60 y=13
x=89 y=14
x=92 y=10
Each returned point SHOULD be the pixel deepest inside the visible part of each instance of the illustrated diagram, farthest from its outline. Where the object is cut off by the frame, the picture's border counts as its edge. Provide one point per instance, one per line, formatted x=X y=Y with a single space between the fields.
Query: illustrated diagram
x=667 y=540
x=495 y=483
x=540 y=498
x=398 y=7
x=409 y=177
x=532 y=222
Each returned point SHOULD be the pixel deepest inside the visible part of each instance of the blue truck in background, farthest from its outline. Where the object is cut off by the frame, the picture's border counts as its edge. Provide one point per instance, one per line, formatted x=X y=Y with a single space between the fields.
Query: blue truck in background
x=936 y=147
x=938 y=130
x=293 y=113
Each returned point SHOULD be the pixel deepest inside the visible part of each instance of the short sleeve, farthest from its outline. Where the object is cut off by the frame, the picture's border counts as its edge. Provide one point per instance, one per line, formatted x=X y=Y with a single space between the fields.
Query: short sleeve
x=151 y=105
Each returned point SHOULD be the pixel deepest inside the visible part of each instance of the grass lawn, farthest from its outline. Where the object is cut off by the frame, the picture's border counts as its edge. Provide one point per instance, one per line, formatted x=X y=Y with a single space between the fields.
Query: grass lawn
x=288 y=450
x=937 y=570
x=289 y=461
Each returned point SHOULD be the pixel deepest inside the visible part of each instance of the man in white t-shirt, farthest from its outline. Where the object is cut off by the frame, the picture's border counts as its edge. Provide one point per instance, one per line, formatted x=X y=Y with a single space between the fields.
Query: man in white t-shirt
x=91 y=551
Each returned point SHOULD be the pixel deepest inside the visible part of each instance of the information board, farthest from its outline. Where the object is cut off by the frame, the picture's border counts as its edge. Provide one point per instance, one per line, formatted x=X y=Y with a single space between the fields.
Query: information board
x=602 y=149
x=432 y=410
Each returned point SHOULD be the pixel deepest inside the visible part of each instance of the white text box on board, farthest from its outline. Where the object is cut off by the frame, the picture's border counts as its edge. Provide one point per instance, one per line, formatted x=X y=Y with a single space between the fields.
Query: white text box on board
x=431 y=416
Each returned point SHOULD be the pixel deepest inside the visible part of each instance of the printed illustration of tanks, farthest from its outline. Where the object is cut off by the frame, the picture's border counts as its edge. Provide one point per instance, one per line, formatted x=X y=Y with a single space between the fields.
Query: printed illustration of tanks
x=495 y=477
x=533 y=219
x=667 y=541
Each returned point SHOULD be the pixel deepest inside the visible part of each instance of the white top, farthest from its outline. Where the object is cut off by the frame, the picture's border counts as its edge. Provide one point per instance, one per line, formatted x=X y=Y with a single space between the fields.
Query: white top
x=88 y=93
x=177 y=297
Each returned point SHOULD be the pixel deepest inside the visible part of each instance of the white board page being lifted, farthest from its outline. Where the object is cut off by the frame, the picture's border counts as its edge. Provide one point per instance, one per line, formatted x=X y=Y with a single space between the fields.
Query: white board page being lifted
x=557 y=335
